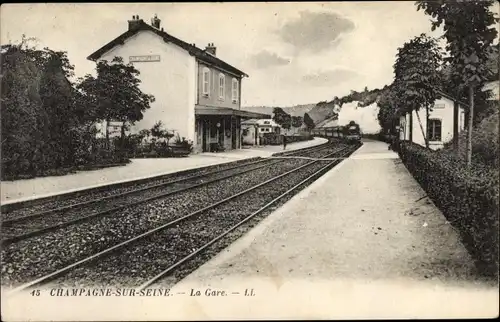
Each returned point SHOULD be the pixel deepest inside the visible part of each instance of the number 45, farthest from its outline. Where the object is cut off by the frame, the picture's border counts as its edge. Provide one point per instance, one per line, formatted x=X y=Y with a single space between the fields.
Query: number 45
x=35 y=293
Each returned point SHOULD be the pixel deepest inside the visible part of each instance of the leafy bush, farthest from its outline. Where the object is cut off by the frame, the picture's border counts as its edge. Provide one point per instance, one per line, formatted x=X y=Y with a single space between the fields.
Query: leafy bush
x=485 y=145
x=47 y=124
x=183 y=143
x=272 y=139
x=467 y=197
x=388 y=138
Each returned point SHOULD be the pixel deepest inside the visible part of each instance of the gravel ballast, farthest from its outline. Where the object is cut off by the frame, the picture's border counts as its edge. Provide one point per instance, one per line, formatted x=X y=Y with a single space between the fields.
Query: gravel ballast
x=145 y=258
x=40 y=255
x=37 y=256
x=148 y=257
x=69 y=215
x=84 y=196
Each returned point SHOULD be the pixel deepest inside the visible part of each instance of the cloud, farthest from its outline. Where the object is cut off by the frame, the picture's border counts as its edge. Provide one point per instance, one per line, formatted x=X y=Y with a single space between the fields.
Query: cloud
x=315 y=31
x=265 y=59
x=329 y=77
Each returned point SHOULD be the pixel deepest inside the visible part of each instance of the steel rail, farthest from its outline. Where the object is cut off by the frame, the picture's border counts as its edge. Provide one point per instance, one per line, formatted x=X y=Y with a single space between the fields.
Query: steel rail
x=19 y=237
x=9 y=222
x=157 y=277
x=47 y=278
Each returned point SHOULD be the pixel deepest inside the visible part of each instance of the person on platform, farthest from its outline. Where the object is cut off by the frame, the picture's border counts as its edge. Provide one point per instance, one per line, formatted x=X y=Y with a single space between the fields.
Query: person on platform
x=284 y=142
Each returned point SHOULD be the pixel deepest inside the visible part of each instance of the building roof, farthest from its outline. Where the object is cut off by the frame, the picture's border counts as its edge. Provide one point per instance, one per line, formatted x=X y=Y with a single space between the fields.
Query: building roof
x=250 y=121
x=262 y=122
x=211 y=110
x=192 y=49
x=267 y=122
x=448 y=96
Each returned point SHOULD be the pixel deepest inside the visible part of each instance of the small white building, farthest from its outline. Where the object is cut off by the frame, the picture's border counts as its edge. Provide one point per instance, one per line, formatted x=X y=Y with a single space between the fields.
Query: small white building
x=440 y=123
x=254 y=129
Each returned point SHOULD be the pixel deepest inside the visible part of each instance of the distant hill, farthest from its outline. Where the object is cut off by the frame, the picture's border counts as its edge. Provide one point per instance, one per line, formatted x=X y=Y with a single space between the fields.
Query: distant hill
x=318 y=112
x=297 y=110
x=324 y=111
x=360 y=107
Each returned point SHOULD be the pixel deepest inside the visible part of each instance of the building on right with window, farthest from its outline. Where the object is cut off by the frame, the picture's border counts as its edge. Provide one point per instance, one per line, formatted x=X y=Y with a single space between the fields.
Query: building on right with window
x=440 y=130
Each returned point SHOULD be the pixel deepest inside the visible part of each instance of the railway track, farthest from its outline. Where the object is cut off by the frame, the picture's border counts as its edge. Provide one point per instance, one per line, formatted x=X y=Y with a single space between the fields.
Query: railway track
x=19 y=227
x=22 y=208
x=47 y=204
x=187 y=236
x=31 y=257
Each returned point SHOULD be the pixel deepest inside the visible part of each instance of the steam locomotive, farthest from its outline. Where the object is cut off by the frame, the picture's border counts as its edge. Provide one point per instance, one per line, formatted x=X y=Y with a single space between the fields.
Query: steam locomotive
x=350 y=132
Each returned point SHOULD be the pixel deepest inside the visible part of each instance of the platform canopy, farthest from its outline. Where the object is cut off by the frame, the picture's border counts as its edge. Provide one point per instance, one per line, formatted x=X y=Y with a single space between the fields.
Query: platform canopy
x=209 y=110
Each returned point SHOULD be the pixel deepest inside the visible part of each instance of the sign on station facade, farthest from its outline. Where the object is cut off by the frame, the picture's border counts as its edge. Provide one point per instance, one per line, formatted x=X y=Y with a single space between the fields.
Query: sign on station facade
x=146 y=58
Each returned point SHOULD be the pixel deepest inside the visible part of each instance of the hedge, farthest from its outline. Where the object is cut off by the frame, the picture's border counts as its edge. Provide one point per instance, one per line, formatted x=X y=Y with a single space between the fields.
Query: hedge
x=468 y=198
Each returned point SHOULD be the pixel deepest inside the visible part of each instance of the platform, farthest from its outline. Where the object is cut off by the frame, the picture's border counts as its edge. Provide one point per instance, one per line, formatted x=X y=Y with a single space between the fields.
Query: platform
x=20 y=190
x=360 y=242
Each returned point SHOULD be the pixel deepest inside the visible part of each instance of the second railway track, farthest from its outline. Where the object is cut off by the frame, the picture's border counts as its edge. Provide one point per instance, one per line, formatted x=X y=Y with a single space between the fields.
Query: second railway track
x=21 y=225
x=307 y=169
x=32 y=257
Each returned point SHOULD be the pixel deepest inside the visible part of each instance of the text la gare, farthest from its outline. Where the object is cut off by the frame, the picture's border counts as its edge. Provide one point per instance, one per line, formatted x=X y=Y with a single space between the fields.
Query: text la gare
x=207 y=292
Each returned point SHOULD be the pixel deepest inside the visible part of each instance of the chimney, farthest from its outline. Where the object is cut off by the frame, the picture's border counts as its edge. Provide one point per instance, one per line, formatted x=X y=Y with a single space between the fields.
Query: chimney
x=134 y=23
x=211 y=49
x=155 y=22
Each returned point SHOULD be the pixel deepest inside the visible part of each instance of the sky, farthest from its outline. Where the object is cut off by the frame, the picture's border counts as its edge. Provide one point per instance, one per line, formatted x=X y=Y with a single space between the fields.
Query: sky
x=294 y=53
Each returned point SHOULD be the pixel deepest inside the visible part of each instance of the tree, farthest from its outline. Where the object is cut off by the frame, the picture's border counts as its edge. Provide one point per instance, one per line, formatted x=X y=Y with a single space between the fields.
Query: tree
x=282 y=118
x=297 y=121
x=469 y=32
x=114 y=95
x=308 y=121
x=23 y=121
x=46 y=123
x=56 y=94
x=417 y=78
x=388 y=115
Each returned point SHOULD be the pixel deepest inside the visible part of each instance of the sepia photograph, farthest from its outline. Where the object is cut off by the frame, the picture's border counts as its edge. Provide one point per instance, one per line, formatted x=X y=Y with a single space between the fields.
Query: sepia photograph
x=250 y=160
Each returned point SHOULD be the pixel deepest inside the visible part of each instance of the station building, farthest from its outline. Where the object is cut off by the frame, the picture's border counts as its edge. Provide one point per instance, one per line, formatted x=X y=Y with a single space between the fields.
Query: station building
x=440 y=130
x=196 y=94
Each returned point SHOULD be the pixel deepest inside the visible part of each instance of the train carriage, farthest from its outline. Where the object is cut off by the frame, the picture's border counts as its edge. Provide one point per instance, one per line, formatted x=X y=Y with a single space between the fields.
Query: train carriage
x=350 y=132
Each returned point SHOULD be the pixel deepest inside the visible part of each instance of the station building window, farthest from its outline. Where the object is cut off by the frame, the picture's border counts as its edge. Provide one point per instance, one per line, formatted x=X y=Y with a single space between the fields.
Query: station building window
x=206 y=81
x=222 y=86
x=235 y=90
x=434 y=130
